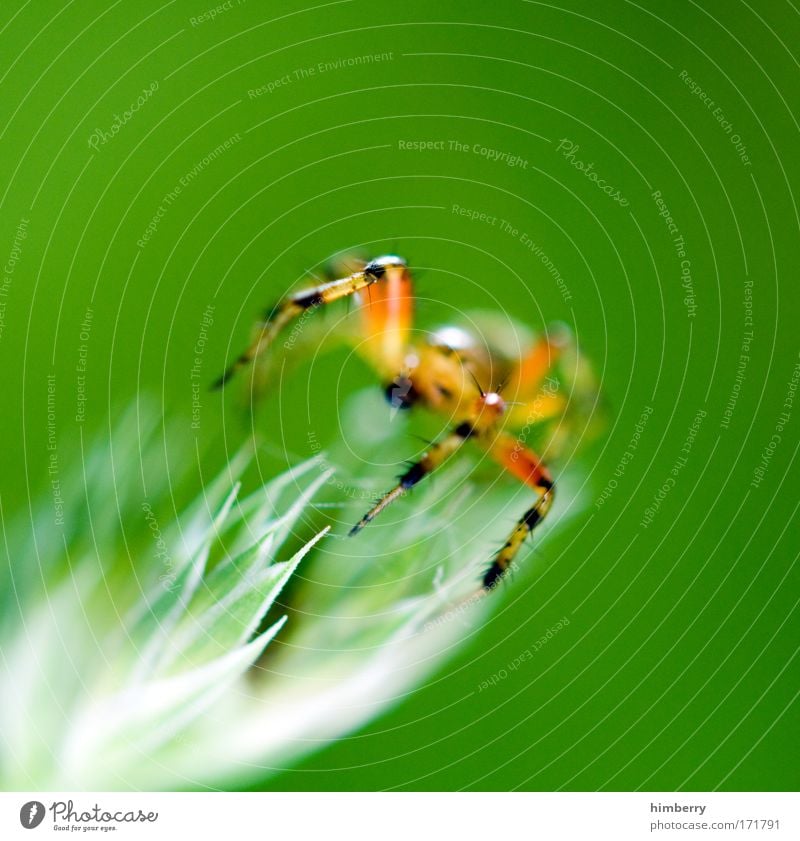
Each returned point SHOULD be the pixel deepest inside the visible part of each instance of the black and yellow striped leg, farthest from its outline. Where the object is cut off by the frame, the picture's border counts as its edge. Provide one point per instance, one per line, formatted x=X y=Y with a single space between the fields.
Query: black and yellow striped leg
x=531 y=518
x=438 y=453
x=290 y=308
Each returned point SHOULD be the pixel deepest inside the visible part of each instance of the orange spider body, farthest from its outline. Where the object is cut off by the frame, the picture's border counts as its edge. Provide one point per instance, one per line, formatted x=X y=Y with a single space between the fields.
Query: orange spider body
x=444 y=374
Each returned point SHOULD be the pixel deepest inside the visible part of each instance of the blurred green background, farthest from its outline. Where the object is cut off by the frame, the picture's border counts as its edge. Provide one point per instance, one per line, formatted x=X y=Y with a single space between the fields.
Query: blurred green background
x=119 y=231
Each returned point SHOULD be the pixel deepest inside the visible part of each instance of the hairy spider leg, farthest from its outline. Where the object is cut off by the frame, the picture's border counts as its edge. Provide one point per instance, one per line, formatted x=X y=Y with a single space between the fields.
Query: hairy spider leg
x=386 y=313
x=307 y=300
x=528 y=376
x=484 y=415
x=549 y=403
x=439 y=452
x=413 y=372
x=528 y=467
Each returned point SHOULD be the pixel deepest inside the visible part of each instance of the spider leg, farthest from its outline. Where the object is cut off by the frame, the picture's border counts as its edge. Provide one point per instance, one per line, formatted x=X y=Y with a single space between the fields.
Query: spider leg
x=528 y=467
x=549 y=403
x=438 y=453
x=557 y=393
x=385 y=316
x=307 y=300
x=529 y=374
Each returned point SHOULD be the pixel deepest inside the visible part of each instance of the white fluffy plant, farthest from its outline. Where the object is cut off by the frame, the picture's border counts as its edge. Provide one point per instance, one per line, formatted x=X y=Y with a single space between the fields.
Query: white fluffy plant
x=148 y=648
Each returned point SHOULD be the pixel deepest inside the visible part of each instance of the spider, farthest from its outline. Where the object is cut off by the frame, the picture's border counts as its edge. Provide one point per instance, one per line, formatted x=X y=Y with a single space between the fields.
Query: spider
x=445 y=373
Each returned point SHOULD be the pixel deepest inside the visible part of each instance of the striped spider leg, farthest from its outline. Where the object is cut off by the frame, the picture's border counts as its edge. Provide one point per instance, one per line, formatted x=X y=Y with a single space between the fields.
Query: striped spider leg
x=389 y=271
x=483 y=426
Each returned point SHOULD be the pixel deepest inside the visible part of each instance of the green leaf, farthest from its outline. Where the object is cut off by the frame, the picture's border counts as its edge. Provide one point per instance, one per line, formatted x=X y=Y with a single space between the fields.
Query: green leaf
x=229 y=607
x=157 y=614
x=144 y=716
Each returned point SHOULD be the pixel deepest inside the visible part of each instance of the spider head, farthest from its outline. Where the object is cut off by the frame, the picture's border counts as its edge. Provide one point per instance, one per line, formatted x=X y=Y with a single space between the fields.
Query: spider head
x=489 y=408
x=493 y=402
x=378 y=267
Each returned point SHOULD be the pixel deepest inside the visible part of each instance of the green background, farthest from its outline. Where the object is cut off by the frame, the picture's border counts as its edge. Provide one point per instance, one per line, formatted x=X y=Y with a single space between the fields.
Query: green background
x=678 y=668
